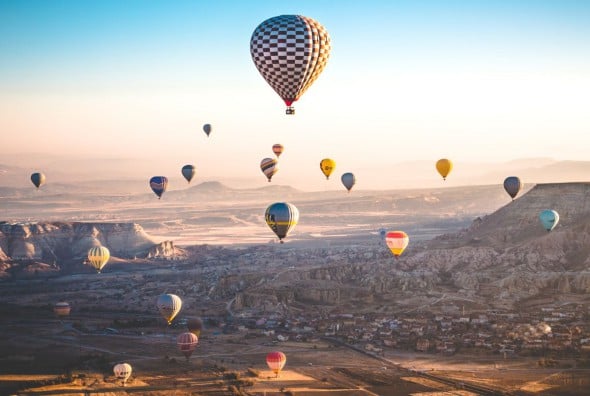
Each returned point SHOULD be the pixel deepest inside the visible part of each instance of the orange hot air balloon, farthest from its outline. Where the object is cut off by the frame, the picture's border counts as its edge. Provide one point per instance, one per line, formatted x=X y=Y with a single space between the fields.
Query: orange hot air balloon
x=444 y=167
x=397 y=241
x=276 y=361
x=187 y=342
x=277 y=149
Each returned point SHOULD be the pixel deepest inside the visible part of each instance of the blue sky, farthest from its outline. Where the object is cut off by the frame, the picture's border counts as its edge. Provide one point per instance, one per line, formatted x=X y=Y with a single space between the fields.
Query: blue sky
x=406 y=80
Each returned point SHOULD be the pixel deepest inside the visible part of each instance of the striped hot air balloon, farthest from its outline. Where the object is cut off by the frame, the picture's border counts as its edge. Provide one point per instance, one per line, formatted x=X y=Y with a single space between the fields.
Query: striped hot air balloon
x=62 y=308
x=169 y=305
x=397 y=241
x=159 y=184
x=269 y=167
x=277 y=149
x=187 y=342
x=98 y=257
x=290 y=52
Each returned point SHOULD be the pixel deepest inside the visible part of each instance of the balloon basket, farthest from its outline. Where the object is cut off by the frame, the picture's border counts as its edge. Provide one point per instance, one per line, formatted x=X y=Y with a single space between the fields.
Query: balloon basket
x=290 y=110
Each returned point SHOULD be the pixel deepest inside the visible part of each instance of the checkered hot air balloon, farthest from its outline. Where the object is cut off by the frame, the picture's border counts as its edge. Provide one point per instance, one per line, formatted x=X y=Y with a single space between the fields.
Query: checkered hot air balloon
x=290 y=51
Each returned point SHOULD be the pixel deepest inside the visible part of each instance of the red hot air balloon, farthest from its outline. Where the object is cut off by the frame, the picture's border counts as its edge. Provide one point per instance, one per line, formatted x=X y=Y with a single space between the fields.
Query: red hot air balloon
x=276 y=361
x=187 y=342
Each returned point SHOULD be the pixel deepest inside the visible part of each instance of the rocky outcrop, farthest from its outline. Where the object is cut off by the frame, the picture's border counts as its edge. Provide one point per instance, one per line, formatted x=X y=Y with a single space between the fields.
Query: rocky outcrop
x=55 y=243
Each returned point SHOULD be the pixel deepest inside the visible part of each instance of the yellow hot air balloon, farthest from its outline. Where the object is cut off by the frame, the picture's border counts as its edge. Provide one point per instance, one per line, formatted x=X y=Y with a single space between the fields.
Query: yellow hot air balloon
x=444 y=167
x=98 y=256
x=397 y=241
x=327 y=166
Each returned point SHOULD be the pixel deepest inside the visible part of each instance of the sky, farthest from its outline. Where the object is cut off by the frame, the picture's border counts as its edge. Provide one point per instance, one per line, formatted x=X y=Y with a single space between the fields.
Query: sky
x=473 y=81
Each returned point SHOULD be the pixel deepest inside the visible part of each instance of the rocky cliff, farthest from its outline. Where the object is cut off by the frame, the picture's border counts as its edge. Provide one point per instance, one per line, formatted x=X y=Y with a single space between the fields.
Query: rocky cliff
x=57 y=243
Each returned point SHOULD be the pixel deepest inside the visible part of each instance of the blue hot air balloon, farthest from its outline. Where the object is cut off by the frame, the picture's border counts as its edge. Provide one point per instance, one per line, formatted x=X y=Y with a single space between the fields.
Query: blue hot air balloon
x=159 y=185
x=512 y=185
x=549 y=218
x=348 y=180
x=281 y=217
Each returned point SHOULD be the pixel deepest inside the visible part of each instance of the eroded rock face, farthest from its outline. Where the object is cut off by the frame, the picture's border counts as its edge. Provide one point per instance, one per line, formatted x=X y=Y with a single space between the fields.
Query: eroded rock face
x=56 y=242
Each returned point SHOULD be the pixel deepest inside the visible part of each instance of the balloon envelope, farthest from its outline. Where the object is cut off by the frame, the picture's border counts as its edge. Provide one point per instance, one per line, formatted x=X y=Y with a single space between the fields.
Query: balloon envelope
x=195 y=325
x=98 y=257
x=38 y=179
x=62 y=308
x=187 y=342
x=269 y=167
x=549 y=219
x=188 y=171
x=281 y=217
x=327 y=166
x=444 y=167
x=512 y=185
x=397 y=241
x=169 y=305
x=290 y=52
x=207 y=129
x=277 y=149
x=348 y=180
x=159 y=184
x=122 y=371
x=276 y=361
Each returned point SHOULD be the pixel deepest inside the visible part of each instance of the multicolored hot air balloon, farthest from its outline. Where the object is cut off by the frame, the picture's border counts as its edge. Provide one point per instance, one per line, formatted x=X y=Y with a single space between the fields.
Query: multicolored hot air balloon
x=348 y=180
x=187 y=342
x=444 y=167
x=281 y=217
x=397 y=241
x=122 y=371
x=512 y=185
x=159 y=184
x=195 y=325
x=327 y=166
x=276 y=361
x=169 y=305
x=62 y=308
x=207 y=129
x=549 y=219
x=277 y=149
x=188 y=171
x=290 y=52
x=269 y=167
x=98 y=257
x=38 y=179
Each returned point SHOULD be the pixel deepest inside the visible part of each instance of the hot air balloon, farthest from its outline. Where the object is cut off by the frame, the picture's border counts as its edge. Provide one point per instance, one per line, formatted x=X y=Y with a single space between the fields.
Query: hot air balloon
x=159 y=185
x=195 y=325
x=98 y=256
x=187 y=342
x=512 y=185
x=169 y=305
x=290 y=52
x=38 y=179
x=62 y=308
x=397 y=241
x=281 y=217
x=348 y=180
x=269 y=167
x=188 y=171
x=444 y=167
x=276 y=361
x=549 y=218
x=277 y=149
x=327 y=166
x=122 y=371
x=207 y=128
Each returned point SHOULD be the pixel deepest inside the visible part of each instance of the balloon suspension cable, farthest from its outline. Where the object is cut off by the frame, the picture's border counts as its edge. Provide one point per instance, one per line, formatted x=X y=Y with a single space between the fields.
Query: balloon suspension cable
x=290 y=110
